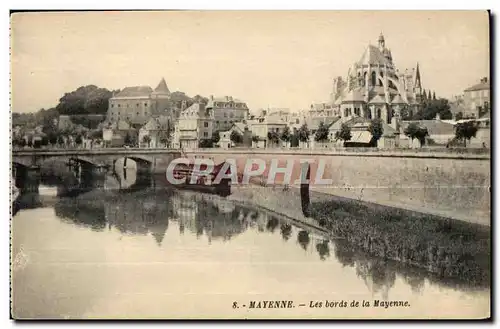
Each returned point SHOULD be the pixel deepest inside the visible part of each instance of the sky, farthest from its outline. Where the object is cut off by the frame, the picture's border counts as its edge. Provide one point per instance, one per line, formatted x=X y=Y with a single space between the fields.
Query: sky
x=266 y=58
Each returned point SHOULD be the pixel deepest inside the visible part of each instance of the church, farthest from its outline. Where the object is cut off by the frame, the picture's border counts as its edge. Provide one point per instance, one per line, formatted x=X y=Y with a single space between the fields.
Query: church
x=375 y=88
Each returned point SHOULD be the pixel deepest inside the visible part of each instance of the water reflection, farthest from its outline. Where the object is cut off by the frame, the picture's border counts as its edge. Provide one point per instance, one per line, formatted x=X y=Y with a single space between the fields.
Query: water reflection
x=149 y=211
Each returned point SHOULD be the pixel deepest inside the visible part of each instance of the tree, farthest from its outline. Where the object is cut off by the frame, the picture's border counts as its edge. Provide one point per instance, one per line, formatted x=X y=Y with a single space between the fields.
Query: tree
x=465 y=131
x=344 y=133
x=78 y=139
x=273 y=137
x=459 y=116
x=146 y=139
x=414 y=130
x=165 y=134
x=376 y=129
x=285 y=135
x=85 y=100
x=304 y=133
x=128 y=140
x=236 y=137
x=30 y=141
x=322 y=133
x=432 y=108
x=433 y=95
x=255 y=138
x=215 y=137
x=22 y=142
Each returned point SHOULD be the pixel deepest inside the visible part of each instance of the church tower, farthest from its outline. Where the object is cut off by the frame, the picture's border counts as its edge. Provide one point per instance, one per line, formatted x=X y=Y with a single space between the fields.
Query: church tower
x=381 y=42
x=417 y=85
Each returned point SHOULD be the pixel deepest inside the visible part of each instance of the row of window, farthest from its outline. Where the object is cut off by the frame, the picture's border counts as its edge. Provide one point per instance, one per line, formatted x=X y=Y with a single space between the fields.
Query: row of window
x=229 y=105
x=126 y=105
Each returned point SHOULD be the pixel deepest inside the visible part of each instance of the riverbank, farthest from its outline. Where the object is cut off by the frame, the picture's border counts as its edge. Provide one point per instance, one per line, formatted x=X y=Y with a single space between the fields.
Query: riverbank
x=443 y=246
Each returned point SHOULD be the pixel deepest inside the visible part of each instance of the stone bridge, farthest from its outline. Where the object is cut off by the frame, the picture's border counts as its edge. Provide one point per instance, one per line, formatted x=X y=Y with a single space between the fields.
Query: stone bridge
x=154 y=160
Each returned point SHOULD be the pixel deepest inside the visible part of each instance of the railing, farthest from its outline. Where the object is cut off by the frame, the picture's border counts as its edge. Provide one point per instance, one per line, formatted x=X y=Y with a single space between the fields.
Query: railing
x=279 y=150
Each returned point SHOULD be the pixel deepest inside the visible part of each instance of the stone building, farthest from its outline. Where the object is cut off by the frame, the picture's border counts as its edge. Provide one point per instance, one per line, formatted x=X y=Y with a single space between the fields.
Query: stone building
x=193 y=127
x=477 y=98
x=137 y=104
x=227 y=110
x=375 y=88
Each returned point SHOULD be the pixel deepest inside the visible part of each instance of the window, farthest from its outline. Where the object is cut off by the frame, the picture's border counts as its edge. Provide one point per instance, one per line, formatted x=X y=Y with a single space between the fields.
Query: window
x=119 y=105
x=374 y=78
x=217 y=122
x=231 y=115
x=137 y=113
x=145 y=104
x=205 y=124
x=112 y=105
x=225 y=115
x=205 y=134
x=379 y=113
x=137 y=104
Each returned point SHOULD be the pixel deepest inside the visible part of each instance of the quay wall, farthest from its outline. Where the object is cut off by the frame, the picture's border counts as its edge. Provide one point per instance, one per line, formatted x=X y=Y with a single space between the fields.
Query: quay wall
x=449 y=185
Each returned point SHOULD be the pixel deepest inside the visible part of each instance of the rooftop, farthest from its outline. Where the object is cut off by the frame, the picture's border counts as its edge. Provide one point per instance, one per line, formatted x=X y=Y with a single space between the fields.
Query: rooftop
x=137 y=91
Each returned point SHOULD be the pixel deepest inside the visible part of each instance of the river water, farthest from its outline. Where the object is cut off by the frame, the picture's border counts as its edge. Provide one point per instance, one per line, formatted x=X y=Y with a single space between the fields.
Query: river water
x=164 y=253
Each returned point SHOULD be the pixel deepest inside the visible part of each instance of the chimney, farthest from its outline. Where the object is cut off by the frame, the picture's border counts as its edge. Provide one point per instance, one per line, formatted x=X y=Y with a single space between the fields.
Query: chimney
x=227 y=98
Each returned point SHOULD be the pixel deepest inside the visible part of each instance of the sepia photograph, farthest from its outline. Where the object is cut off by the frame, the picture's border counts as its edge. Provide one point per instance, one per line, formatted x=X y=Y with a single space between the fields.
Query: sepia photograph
x=209 y=164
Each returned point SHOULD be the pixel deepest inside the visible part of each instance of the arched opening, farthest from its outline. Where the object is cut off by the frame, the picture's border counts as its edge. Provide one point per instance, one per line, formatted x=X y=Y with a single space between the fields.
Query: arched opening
x=389 y=115
x=373 y=78
x=379 y=113
x=364 y=79
x=369 y=114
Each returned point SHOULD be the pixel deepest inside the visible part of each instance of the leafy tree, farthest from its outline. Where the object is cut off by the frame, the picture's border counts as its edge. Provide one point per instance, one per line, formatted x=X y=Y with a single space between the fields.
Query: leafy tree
x=200 y=99
x=344 y=133
x=273 y=136
x=459 y=116
x=146 y=139
x=236 y=137
x=60 y=139
x=128 y=140
x=322 y=133
x=205 y=143
x=433 y=95
x=165 y=134
x=303 y=133
x=465 y=131
x=78 y=139
x=30 y=141
x=85 y=100
x=285 y=135
x=21 y=142
x=255 y=138
x=432 y=108
x=414 y=130
x=215 y=136
x=303 y=239
x=376 y=129
x=482 y=110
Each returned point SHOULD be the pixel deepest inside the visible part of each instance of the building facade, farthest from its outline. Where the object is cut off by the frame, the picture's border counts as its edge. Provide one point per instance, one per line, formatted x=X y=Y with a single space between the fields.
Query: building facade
x=226 y=111
x=137 y=104
x=193 y=127
x=477 y=98
x=375 y=88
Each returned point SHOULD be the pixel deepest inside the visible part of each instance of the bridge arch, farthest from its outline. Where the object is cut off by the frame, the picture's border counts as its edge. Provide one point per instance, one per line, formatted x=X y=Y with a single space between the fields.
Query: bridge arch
x=22 y=162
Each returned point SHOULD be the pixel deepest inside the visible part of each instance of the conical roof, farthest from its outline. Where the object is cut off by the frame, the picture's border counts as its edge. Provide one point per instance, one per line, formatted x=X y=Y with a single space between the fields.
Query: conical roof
x=162 y=87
